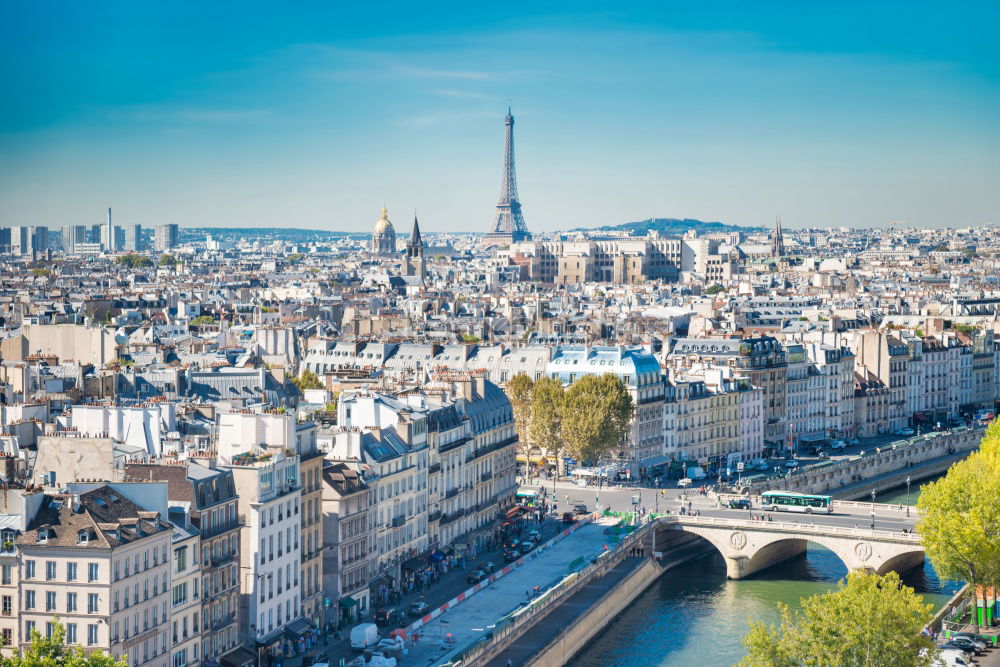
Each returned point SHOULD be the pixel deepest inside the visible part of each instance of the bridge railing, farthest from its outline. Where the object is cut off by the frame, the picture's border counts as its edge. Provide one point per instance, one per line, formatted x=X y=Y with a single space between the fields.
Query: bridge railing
x=792 y=527
x=844 y=504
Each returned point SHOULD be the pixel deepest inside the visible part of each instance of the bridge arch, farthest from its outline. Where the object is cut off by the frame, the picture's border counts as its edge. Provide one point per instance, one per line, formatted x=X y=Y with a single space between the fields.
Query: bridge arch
x=749 y=547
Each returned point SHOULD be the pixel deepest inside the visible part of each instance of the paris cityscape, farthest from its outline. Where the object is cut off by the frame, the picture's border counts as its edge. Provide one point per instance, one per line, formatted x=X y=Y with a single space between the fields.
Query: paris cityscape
x=411 y=336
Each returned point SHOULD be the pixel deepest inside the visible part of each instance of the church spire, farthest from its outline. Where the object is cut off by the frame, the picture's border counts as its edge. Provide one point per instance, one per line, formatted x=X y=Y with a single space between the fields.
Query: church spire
x=777 y=239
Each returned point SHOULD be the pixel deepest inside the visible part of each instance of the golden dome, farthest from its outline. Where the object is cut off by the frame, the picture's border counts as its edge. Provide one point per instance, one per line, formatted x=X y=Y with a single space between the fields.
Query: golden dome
x=383 y=225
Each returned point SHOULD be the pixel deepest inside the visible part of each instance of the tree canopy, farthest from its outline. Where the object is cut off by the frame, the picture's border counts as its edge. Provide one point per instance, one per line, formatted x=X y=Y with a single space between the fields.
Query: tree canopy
x=167 y=260
x=597 y=413
x=53 y=652
x=545 y=425
x=307 y=380
x=869 y=621
x=519 y=390
x=133 y=261
x=960 y=516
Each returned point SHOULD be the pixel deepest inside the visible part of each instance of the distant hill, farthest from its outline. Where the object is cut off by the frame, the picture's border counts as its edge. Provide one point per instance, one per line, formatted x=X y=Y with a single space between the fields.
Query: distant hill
x=672 y=226
x=282 y=233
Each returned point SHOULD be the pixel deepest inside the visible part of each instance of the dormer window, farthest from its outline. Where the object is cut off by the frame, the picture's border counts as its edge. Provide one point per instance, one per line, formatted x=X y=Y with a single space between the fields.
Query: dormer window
x=83 y=536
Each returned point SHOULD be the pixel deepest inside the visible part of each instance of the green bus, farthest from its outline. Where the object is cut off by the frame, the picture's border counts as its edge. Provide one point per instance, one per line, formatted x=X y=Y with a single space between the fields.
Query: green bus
x=790 y=501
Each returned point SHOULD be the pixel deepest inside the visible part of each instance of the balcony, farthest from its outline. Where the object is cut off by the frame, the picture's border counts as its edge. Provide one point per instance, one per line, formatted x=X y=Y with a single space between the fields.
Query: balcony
x=485 y=477
x=223 y=621
x=436 y=467
x=447 y=447
x=398 y=521
x=451 y=493
x=224 y=559
x=434 y=516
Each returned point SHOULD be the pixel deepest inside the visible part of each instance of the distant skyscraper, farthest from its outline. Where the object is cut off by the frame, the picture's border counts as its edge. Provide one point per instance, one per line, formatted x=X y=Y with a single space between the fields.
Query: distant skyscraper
x=20 y=240
x=508 y=223
x=133 y=238
x=109 y=234
x=95 y=234
x=39 y=239
x=165 y=237
x=4 y=239
x=74 y=236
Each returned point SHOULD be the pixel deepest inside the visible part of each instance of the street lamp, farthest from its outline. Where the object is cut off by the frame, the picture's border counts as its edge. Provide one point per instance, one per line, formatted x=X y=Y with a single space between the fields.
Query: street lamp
x=907 y=495
x=873 y=509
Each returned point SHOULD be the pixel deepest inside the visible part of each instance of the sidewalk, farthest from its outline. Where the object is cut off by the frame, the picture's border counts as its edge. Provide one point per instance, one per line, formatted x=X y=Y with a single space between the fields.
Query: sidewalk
x=447 y=587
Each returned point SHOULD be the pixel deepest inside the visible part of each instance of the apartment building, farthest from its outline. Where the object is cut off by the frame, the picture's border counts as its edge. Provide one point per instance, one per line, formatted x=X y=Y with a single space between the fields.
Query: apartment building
x=209 y=494
x=102 y=564
x=347 y=548
x=186 y=592
x=269 y=493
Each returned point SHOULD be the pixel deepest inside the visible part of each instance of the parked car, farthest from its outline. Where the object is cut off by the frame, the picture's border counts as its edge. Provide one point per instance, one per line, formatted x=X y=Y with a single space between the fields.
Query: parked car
x=569 y=517
x=533 y=534
x=791 y=463
x=419 y=608
x=952 y=649
x=488 y=566
x=476 y=577
x=527 y=546
x=580 y=509
x=967 y=644
x=837 y=445
x=968 y=635
x=683 y=483
x=905 y=431
x=511 y=555
x=853 y=442
x=739 y=504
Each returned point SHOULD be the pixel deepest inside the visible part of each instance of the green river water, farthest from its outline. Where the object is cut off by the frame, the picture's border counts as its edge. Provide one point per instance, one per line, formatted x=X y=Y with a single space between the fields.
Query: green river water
x=695 y=616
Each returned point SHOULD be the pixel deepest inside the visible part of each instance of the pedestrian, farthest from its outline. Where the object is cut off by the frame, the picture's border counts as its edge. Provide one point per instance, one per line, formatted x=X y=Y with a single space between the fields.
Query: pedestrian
x=509 y=663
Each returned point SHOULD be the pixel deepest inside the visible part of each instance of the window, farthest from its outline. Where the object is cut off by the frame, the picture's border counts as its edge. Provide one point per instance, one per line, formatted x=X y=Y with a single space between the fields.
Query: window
x=29 y=627
x=180 y=557
x=91 y=634
x=29 y=569
x=92 y=572
x=50 y=601
x=7 y=606
x=70 y=571
x=50 y=570
x=71 y=602
x=29 y=599
x=180 y=593
x=7 y=573
x=71 y=633
x=91 y=603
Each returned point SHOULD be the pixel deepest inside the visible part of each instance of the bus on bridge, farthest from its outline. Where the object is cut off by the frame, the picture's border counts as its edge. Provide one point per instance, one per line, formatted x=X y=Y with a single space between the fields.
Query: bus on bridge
x=790 y=501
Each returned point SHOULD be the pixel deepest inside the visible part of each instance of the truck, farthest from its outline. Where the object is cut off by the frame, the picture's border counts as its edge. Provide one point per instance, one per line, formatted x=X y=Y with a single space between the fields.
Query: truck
x=364 y=635
x=696 y=473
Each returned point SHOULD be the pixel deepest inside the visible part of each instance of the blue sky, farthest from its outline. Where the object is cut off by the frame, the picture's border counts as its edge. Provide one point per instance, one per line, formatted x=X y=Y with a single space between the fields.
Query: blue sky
x=313 y=114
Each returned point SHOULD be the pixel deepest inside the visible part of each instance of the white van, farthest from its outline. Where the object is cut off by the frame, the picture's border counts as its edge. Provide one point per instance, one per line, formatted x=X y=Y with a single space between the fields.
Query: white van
x=694 y=472
x=364 y=635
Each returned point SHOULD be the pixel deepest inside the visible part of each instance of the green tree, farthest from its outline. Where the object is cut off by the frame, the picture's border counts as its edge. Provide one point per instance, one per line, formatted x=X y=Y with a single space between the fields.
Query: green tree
x=715 y=289
x=203 y=319
x=168 y=260
x=53 y=652
x=519 y=390
x=133 y=261
x=869 y=621
x=307 y=379
x=597 y=415
x=959 y=521
x=38 y=273
x=469 y=338
x=545 y=423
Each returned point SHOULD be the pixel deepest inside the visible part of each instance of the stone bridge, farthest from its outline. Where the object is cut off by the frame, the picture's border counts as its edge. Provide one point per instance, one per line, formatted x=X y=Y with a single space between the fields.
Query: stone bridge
x=751 y=546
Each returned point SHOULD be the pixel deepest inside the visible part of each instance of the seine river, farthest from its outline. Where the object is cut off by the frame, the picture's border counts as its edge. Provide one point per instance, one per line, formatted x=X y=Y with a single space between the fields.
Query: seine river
x=694 y=616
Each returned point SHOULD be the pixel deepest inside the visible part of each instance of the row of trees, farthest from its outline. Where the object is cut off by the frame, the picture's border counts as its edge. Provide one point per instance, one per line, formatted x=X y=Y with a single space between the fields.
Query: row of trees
x=52 y=651
x=588 y=420
x=873 y=620
x=960 y=517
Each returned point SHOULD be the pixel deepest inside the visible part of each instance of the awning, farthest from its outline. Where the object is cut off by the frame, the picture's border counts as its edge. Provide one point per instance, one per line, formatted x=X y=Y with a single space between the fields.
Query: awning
x=347 y=603
x=521 y=458
x=812 y=437
x=459 y=547
x=270 y=638
x=412 y=564
x=539 y=460
x=298 y=627
x=654 y=461
x=239 y=657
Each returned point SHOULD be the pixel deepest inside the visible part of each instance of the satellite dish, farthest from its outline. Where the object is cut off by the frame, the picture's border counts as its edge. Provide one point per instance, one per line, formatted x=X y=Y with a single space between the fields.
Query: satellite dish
x=121 y=337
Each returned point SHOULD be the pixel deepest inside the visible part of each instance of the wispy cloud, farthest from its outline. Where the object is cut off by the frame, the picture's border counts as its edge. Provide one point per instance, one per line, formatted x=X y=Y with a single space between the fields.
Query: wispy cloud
x=445 y=117
x=206 y=115
x=429 y=73
x=467 y=95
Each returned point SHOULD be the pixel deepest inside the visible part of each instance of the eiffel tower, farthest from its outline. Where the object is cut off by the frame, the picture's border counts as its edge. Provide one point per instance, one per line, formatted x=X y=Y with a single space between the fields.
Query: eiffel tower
x=508 y=223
